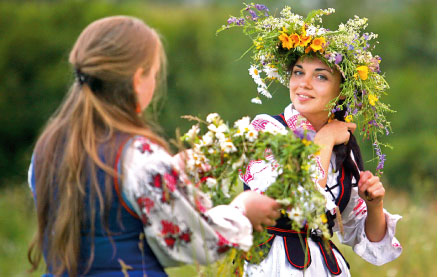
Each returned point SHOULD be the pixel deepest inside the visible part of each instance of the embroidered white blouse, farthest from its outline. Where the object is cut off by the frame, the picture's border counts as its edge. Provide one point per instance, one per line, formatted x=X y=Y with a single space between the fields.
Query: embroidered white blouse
x=179 y=223
x=259 y=176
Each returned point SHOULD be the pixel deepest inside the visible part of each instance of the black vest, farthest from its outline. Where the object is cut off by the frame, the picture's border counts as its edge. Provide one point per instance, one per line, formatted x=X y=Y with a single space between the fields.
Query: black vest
x=292 y=244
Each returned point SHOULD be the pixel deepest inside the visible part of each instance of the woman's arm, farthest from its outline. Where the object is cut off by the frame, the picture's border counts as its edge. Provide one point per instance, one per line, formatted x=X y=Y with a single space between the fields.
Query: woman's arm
x=179 y=224
x=337 y=132
x=331 y=134
x=373 y=192
x=355 y=220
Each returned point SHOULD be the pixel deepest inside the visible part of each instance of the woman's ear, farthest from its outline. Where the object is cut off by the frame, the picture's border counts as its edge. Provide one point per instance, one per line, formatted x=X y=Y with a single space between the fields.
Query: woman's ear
x=136 y=79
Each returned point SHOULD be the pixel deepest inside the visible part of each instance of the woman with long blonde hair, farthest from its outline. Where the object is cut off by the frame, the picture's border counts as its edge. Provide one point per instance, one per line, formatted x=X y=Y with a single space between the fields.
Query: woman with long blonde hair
x=109 y=196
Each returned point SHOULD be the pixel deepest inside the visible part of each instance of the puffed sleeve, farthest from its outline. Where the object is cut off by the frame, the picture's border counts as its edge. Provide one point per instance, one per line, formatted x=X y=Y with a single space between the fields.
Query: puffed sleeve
x=353 y=219
x=179 y=224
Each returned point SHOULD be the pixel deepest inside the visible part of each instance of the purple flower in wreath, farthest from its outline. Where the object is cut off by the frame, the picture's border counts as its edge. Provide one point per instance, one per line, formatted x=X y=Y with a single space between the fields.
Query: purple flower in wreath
x=235 y=20
x=261 y=7
x=338 y=58
x=253 y=14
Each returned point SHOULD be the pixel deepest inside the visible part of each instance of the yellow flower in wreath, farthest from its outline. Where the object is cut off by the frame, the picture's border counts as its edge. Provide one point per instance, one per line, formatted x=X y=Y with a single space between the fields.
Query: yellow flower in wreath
x=363 y=72
x=258 y=43
x=318 y=44
x=372 y=99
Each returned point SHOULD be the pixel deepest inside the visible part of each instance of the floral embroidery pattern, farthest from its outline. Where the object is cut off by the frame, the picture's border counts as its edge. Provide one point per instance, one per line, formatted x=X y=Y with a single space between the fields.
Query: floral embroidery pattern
x=259 y=124
x=157 y=181
x=143 y=145
x=146 y=203
x=249 y=175
x=172 y=233
x=171 y=180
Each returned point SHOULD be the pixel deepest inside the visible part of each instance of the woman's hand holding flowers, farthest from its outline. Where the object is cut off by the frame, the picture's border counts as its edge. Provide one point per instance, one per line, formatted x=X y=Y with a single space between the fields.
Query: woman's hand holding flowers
x=259 y=209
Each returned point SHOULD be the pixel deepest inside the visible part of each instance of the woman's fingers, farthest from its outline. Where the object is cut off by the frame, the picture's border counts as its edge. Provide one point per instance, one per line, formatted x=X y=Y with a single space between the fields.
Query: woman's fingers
x=376 y=190
x=260 y=209
x=269 y=222
x=275 y=214
x=258 y=227
x=351 y=126
x=370 y=187
x=364 y=176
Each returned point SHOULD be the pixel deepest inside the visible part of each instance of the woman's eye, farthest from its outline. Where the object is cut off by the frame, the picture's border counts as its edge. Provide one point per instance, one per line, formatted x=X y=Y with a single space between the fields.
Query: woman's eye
x=321 y=77
x=297 y=73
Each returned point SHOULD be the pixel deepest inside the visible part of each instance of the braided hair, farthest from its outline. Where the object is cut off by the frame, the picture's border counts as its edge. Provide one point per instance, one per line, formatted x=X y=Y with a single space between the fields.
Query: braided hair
x=343 y=151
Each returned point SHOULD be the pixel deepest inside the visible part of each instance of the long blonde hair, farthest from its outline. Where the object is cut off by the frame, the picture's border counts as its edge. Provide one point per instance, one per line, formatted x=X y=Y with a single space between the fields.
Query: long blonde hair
x=66 y=156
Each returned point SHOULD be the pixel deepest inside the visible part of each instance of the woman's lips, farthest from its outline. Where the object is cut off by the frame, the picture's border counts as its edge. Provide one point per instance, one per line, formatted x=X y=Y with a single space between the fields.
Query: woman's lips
x=304 y=97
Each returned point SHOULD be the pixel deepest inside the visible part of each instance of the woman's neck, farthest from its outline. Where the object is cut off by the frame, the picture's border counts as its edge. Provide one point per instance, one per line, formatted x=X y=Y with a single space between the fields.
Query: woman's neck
x=317 y=121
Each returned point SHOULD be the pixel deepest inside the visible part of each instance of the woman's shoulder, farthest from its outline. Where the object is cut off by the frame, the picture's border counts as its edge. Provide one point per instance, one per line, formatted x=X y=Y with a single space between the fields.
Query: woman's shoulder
x=141 y=150
x=143 y=145
x=263 y=122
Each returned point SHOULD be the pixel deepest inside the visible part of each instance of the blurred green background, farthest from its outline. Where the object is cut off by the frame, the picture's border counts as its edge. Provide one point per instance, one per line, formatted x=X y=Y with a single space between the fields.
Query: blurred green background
x=206 y=75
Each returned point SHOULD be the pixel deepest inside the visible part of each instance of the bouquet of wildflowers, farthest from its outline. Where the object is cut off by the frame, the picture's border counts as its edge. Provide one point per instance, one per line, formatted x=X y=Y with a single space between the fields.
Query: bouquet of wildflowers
x=219 y=152
x=277 y=42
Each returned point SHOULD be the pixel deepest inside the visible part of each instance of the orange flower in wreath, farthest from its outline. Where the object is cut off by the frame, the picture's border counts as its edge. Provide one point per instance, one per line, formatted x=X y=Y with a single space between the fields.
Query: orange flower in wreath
x=295 y=39
x=305 y=40
x=286 y=41
x=318 y=44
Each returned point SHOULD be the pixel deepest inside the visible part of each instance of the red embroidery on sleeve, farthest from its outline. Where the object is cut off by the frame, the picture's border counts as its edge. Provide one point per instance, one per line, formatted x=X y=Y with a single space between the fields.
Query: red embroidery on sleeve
x=186 y=236
x=171 y=181
x=169 y=228
x=223 y=243
x=143 y=145
x=146 y=203
x=157 y=181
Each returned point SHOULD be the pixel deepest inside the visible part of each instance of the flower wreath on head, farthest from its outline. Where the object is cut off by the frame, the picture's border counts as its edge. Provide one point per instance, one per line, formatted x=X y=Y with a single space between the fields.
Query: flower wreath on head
x=279 y=41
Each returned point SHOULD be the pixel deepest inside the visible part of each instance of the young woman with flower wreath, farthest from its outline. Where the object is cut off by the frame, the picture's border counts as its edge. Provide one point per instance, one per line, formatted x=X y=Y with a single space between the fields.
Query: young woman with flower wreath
x=333 y=78
x=110 y=199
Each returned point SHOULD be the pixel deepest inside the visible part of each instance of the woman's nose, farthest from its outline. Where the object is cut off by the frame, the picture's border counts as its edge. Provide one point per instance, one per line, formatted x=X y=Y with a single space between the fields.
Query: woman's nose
x=305 y=81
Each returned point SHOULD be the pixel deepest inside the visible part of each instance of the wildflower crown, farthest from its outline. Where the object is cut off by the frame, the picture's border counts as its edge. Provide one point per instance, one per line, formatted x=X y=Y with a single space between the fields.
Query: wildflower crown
x=279 y=41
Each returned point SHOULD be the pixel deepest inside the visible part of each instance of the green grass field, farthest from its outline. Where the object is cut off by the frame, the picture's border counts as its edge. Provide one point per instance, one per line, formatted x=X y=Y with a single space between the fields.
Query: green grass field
x=417 y=232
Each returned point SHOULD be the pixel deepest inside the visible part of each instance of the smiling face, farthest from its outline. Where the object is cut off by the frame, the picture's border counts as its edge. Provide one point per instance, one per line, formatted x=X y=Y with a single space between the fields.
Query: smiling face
x=313 y=84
